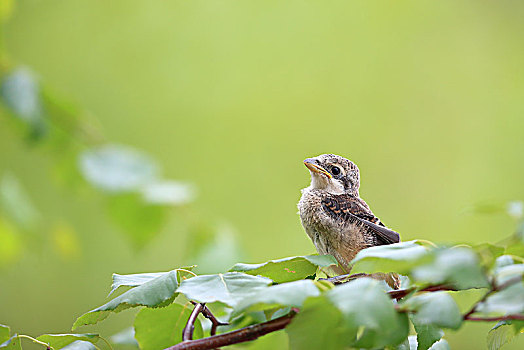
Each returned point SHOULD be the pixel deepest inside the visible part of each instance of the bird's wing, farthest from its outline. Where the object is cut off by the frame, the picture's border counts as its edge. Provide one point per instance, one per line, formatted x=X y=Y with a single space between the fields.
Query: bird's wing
x=351 y=208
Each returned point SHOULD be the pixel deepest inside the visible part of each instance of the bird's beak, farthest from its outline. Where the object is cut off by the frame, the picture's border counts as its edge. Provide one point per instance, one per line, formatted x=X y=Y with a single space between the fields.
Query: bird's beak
x=310 y=163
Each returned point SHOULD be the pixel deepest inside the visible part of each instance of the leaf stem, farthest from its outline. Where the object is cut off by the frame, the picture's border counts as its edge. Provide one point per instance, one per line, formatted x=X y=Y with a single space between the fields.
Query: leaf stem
x=190 y=272
x=107 y=343
x=35 y=340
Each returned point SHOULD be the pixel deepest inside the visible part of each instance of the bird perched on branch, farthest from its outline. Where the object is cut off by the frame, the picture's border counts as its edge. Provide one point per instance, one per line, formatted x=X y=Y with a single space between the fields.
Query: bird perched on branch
x=334 y=216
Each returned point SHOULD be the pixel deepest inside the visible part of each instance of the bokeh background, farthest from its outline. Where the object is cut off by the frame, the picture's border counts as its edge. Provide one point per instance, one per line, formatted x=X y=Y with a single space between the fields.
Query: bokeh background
x=229 y=97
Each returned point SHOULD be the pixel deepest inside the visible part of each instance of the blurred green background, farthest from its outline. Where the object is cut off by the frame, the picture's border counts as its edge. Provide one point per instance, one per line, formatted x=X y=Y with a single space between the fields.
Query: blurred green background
x=230 y=96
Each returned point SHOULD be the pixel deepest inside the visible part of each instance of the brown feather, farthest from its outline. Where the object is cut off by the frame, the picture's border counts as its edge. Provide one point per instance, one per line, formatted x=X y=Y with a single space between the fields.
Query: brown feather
x=350 y=208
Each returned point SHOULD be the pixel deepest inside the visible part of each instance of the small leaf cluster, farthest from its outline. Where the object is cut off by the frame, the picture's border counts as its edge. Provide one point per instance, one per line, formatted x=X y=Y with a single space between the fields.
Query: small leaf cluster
x=138 y=197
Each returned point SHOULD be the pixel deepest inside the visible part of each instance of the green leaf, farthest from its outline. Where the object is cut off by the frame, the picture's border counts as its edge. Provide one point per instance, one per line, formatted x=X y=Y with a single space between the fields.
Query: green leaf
x=488 y=253
x=287 y=269
x=214 y=250
x=10 y=243
x=157 y=329
x=409 y=344
x=503 y=260
x=508 y=301
x=318 y=325
x=133 y=280
x=156 y=292
x=399 y=257
x=287 y=294
x=80 y=345
x=168 y=192
x=507 y=273
x=117 y=168
x=396 y=334
x=369 y=314
x=412 y=344
x=456 y=266
x=516 y=248
x=442 y=344
x=488 y=208
x=4 y=333
x=502 y=333
x=58 y=341
x=515 y=209
x=12 y=343
x=137 y=279
x=65 y=241
x=427 y=335
x=139 y=220
x=436 y=309
x=16 y=204
x=228 y=288
x=124 y=337
x=20 y=92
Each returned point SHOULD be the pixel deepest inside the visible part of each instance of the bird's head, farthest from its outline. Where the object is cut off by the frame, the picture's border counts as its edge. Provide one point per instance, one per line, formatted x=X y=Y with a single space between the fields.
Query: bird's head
x=334 y=174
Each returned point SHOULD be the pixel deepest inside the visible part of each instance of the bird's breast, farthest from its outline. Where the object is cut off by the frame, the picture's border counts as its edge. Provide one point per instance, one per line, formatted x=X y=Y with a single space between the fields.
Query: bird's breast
x=317 y=224
x=341 y=239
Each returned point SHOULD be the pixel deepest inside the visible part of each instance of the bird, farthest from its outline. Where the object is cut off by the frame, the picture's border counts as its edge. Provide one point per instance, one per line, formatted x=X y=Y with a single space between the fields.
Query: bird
x=337 y=220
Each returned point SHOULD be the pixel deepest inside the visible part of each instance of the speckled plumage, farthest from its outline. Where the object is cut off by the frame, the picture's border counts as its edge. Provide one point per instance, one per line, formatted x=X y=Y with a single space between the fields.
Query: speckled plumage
x=334 y=216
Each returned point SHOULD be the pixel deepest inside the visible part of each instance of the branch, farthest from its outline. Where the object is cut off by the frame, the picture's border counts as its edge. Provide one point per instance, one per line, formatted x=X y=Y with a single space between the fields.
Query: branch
x=187 y=333
x=496 y=318
x=473 y=309
x=508 y=283
x=209 y=315
x=494 y=288
x=239 y=336
x=401 y=293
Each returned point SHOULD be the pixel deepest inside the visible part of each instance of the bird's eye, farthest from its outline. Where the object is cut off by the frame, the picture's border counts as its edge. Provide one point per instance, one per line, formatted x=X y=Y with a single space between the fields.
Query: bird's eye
x=335 y=170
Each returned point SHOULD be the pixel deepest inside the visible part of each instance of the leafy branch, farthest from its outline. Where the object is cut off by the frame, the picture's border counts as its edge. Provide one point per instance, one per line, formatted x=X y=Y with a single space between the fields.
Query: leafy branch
x=251 y=300
x=248 y=333
x=253 y=332
x=493 y=289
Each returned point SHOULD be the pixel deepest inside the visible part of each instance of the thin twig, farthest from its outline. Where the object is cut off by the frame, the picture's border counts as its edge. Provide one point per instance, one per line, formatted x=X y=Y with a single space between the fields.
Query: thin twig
x=214 y=321
x=508 y=283
x=494 y=288
x=474 y=307
x=401 y=293
x=234 y=337
x=187 y=333
x=495 y=318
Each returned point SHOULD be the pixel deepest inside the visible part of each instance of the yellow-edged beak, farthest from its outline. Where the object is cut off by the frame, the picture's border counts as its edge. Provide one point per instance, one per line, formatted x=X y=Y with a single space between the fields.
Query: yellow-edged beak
x=311 y=165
